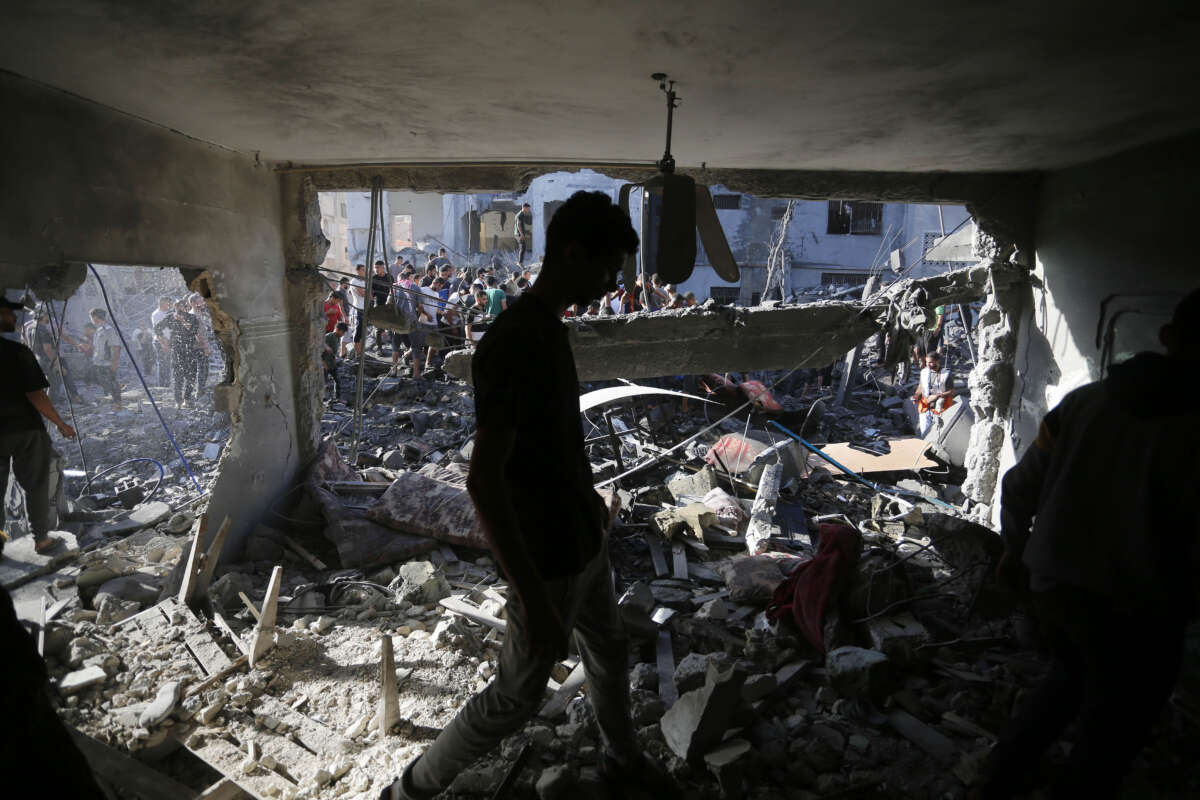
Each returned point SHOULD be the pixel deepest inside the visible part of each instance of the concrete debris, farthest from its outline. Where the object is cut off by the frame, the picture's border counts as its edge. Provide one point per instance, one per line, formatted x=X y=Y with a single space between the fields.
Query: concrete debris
x=698 y=721
x=82 y=679
x=420 y=582
x=858 y=672
x=691 y=520
x=688 y=486
x=162 y=705
x=752 y=579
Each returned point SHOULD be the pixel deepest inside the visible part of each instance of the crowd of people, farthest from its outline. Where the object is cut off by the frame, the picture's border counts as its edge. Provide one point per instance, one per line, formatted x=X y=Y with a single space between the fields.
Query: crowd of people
x=174 y=349
x=447 y=307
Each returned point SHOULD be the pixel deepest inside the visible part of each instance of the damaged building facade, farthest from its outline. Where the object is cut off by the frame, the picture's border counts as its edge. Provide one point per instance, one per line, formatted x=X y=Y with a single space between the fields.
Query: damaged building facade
x=220 y=170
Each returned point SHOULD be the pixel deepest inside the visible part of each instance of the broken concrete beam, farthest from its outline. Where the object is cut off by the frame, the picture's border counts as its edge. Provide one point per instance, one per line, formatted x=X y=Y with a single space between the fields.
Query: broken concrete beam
x=697 y=341
x=698 y=721
x=82 y=679
x=762 y=526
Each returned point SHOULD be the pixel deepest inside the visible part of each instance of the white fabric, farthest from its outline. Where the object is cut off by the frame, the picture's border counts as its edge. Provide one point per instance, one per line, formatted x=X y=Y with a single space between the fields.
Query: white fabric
x=356 y=299
x=432 y=306
x=933 y=384
x=103 y=340
x=156 y=317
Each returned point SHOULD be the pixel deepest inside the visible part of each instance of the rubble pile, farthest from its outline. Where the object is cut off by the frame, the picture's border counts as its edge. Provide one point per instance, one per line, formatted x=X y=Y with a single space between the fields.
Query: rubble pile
x=388 y=614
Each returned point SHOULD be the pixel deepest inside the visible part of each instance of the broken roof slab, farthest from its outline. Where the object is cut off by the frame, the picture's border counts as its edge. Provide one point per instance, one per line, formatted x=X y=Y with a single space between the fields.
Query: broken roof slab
x=701 y=339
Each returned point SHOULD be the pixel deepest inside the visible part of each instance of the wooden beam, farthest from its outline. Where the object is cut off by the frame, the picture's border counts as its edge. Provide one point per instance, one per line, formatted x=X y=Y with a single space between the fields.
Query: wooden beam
x=679 y=565
x=212 y=552
x=264 y=634
x=458 y=604
x=187 y=589
x=389 y=696
x=217 y=677
x=220 y=622
x=131 y=777
x=224 y=789
x=253 y=611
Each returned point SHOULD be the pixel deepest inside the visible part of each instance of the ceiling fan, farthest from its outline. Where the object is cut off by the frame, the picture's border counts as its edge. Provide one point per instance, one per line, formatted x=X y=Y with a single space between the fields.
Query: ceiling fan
x=687 y=208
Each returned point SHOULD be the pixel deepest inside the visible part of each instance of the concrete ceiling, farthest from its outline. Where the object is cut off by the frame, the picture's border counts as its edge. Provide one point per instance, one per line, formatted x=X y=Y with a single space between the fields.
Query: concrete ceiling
x=868 y=85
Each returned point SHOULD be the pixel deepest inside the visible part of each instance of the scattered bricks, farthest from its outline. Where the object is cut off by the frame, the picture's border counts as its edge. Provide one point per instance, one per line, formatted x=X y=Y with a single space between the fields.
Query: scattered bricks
x=858 y=672
x=82 y=679
x=699 y=719
x=210 y=711
x=162 y=705
x=758 y=686
x=420 y=582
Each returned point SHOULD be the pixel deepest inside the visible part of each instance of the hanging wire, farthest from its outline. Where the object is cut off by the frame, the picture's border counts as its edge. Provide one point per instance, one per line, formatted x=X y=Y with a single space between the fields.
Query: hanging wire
x=56 y=325
x=120 y=334
x=360 y=336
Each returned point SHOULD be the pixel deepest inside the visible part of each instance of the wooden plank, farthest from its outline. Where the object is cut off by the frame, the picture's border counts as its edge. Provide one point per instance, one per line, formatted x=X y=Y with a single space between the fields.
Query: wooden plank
x=264 y=633
x=217 y=677
x=679 y=566
x=557 y=704
x=57 y=608
x=253 y=611
x=304 y=729
x=389 y=695
x=220 y=622
x=131 y=777
x=665 y=656
x=210 y=655
x=458 y=604
x=226 y=758
x=212 y=553
x=303 y=553
x=187 y=589
x=928 y=739
x=656 y=553
x=224 y=789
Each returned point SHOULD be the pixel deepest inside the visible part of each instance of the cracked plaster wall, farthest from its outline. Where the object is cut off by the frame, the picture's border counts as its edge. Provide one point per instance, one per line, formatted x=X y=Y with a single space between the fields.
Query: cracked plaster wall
x=1119 y=226
x=84 y=183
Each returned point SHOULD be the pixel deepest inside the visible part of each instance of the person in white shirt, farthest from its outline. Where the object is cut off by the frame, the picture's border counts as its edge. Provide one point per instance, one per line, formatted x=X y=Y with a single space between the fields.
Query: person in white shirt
x=358 y=296
x=162 y=342
x=934 y=393
x=106 y=353
x=431 y=309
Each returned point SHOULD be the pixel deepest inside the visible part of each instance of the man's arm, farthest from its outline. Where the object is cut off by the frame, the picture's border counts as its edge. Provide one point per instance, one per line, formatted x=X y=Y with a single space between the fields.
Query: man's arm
x=486 y=486
x=42 y=403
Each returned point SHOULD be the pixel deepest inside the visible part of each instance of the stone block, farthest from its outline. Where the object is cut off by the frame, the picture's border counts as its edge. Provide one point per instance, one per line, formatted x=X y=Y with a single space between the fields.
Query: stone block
x=759 y=686
x=858 y=672
x=698 y=720
x=82 y=679
x=644 y=676
x=420 y=582
x=692 y=485
x=897 y=636
x=555 y=782
x=692 y=669
x=161 y=706
x=751 y=580
x=137 y=587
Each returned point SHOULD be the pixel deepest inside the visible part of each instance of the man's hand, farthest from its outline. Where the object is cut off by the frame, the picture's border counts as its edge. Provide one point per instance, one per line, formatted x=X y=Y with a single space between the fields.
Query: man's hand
x=66 y=430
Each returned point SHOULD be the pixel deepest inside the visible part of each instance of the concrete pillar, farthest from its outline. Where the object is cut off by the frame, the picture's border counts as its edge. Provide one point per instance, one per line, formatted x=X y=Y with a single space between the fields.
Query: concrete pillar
x=851 y=363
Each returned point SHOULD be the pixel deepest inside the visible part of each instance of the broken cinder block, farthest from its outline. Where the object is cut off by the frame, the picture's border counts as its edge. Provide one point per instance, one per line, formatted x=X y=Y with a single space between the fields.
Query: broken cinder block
x=696 y=723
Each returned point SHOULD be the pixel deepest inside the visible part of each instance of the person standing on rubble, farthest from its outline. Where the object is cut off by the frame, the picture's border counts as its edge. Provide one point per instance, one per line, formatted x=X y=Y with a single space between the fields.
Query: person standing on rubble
x=198 y=310
x=164 y=348
x=106 y=354
x=523 y=231
x=551 y=543
x=1099 y=523
x=23 y=439
x=935 y=392
x=185 y=346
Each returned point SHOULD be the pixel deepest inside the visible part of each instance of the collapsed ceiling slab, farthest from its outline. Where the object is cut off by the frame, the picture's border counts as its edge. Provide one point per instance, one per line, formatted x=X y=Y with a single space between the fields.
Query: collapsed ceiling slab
x=701 y=340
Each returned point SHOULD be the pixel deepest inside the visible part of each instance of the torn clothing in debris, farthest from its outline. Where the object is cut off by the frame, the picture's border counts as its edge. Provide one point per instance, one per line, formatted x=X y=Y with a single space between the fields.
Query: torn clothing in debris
x=525 y=381
x=1106 y=481
x=813 y=585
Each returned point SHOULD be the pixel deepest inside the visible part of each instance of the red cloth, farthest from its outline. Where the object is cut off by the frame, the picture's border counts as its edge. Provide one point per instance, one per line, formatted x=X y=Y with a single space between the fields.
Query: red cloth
x=333 y=314
x=760 y=395
x=807 y=592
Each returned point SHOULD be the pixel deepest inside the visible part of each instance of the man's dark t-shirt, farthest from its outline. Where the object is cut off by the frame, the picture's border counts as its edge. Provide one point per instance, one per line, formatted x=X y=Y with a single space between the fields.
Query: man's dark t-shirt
x=381 y=288
x=183 y=332
x=21 y=376
x=332 y=341
x=525 y=378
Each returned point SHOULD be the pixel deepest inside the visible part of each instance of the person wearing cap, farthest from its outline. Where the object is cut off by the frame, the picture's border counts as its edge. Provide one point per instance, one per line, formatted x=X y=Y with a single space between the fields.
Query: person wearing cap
x=524 y=232
x=1099 y=525
x=24 y=444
